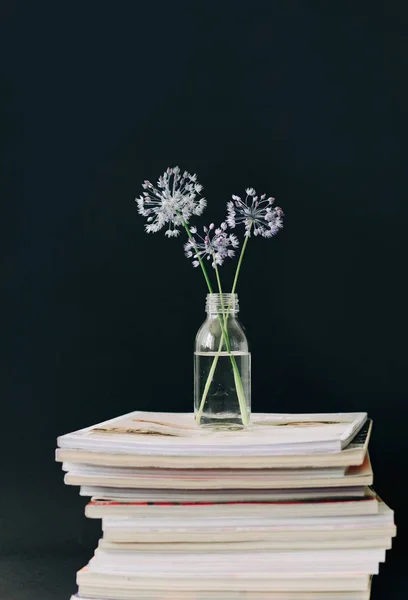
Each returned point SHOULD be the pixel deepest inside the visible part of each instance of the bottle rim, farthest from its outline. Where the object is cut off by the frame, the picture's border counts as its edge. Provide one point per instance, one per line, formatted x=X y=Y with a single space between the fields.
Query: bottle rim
x=219 y=303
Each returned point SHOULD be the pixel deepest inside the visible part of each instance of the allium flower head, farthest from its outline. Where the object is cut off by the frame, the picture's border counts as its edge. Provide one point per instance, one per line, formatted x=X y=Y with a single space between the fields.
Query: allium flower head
x=172 y=202
x=216 y=245
x=256 y=214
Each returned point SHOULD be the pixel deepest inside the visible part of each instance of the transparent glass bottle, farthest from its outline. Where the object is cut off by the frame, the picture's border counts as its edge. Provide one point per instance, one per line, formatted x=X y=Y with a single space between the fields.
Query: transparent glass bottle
x=222 y=367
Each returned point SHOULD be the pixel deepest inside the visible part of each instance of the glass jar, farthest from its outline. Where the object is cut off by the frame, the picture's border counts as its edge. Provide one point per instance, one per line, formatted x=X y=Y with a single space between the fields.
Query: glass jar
x=222 y=367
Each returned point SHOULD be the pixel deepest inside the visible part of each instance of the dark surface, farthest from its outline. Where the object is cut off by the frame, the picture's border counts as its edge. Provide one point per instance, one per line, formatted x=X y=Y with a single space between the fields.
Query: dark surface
x=303 y=100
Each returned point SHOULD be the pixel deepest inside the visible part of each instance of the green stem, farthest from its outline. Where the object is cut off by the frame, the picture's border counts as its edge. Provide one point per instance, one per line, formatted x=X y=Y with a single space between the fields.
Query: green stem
x=208 y=383
x=217 y=274
x=224 y=337
x=237 y=377
x=202 y=265
x=223 y=323
x=234 y=285
x=207 y=279
x=215 y=361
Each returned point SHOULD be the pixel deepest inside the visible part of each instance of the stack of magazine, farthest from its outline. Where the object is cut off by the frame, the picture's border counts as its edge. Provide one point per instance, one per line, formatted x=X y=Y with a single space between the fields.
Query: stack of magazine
x=282 y=510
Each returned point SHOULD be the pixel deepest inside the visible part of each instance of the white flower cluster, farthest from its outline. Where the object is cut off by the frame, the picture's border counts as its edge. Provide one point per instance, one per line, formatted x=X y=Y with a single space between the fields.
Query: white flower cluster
x=216 y=245
x=256 y=214
x=172 y=202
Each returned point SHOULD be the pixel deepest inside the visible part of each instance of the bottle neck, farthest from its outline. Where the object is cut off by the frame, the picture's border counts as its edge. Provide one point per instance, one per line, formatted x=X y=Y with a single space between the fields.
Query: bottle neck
x=222 y=304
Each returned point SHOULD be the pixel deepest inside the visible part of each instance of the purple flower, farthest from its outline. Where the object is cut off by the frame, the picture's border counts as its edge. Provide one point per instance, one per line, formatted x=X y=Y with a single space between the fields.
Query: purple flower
x=255 y=213
x=216 y=245
x=172 y=202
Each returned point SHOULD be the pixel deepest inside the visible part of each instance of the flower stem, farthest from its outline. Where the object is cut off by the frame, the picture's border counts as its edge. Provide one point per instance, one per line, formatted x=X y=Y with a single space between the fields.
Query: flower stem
x=202 y=265
x=234 y=285
x=216 y=357
x=215 y=361
x=237 y=377
x=217 y=274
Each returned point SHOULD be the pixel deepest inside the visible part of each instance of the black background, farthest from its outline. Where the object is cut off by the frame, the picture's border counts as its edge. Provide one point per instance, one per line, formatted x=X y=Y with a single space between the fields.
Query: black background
x=303 y=100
